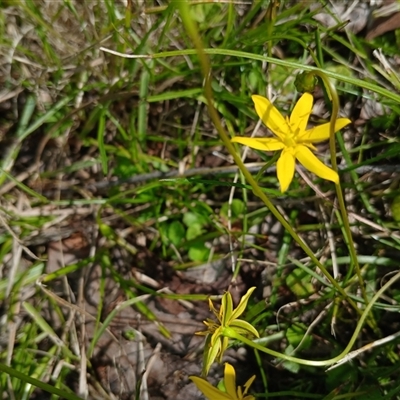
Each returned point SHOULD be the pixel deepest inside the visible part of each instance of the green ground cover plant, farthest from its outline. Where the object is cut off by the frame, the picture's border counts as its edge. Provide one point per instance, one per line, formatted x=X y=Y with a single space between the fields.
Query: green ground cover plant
x=199 y=199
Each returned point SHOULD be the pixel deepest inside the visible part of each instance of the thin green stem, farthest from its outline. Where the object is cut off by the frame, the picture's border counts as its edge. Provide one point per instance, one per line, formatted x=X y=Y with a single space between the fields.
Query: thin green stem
x=332 y=145
x=232 y=334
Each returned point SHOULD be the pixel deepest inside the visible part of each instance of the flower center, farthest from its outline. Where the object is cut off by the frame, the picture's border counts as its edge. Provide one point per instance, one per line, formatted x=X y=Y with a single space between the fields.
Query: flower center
x=290 y=142
x=290 y=138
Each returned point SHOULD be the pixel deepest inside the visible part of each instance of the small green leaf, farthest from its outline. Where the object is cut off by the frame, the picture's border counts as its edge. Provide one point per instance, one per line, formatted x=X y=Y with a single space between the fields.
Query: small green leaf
x=106 y=231
x=295 y=334
x=176 y=232
x=129 y=334
x=197 y=13
x=193 y=231
x=305 y=82
x=237 y=208
x=191 y=218
x=289 y=365
x=198 y=252
x=254 y=78
x=124 y=167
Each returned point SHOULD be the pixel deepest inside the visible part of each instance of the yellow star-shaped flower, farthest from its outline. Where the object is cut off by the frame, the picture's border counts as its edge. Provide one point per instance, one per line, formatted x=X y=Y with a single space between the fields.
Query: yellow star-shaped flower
x=293 y=138
x=231 y=392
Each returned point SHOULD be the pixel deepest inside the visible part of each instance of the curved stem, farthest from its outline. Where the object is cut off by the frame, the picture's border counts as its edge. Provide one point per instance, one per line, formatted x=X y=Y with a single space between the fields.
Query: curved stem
x=365 y=84
x=232 y=334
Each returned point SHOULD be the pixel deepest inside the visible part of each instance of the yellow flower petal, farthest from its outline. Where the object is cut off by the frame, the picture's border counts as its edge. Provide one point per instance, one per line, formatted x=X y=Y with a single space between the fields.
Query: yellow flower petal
x=244 y=327
x=224 y=345
x=285 y=168
x=230 y=393
x=322 y=132
x=300 y=114
x=212 y=308
x=266 y=144
x=215 y=337
x=313 y=164
x=211 y=392
x=238 y=311
x=230 y=381
x=226 y=308
x=248 y=384
x=271 y=117
x=211 y=351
